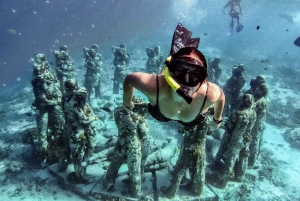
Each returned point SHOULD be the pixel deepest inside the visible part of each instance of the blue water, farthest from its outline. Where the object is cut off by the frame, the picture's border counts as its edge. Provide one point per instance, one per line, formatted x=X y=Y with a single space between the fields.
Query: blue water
x=28 y=27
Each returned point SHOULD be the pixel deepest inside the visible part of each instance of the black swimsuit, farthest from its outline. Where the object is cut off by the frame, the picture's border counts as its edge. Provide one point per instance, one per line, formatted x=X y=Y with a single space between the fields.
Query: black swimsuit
x=156 y=114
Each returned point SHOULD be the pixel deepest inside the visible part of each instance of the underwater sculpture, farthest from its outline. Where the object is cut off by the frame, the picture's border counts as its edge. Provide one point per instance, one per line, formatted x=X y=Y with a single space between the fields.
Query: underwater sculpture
x=80 y=129
x=49 y=114
x=131 y=147
x=159 y=156
x=233 y=89
x=154 y=61
x=192 y=157
x=93 y=65
x=160 y=159
x=255 y=83
x=262 y=104
x=64 y=66
x=121 y=62
x=234 y=147
x=214 y=70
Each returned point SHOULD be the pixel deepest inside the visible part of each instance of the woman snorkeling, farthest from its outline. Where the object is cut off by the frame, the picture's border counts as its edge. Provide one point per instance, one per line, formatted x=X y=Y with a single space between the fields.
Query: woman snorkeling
x=181 y=93
x=185 y=72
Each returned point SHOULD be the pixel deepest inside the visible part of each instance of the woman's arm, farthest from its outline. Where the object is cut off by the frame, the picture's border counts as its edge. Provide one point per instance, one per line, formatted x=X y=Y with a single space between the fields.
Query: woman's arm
x=128 y=90
x=219 y=102
x=219 y=106
x=83 y=118
x=143 y=82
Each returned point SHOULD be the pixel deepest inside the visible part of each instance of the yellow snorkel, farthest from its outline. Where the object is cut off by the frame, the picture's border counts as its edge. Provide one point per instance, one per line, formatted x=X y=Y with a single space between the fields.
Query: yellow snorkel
x=175 y=85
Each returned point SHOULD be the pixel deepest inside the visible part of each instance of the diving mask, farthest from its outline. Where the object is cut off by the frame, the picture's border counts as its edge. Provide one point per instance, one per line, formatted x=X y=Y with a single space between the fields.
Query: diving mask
x=187 y=70
x=180 y=70
x=177 y=70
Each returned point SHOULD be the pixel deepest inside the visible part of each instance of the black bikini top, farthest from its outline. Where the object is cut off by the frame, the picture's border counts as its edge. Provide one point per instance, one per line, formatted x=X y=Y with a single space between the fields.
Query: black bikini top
x=156 y=114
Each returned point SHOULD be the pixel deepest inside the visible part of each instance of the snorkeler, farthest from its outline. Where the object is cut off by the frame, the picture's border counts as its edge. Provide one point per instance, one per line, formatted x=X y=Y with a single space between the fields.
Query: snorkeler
x=183 y=95
x=235 y=10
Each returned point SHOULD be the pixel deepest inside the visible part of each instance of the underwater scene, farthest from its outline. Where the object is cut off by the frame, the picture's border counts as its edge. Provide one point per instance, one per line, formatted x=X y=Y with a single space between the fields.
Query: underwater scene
x=149 y=100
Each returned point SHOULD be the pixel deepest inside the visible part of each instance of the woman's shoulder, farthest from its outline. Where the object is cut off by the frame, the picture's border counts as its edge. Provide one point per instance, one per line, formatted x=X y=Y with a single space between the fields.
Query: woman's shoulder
x=214 y=92
x=141 y=77
x=139 y=74
x=211 y=84
x=144 y=82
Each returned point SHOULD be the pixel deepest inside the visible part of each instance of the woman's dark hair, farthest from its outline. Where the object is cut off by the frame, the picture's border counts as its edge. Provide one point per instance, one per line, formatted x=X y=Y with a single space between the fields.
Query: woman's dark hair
x=185 y=51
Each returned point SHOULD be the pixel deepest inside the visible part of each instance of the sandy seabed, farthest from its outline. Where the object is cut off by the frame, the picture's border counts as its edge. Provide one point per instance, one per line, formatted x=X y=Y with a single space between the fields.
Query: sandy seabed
x=22 y=177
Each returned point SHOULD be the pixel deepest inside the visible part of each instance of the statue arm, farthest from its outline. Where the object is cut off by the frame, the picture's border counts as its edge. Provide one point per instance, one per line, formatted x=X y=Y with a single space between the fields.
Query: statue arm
x=83 y=118
x=46 y=101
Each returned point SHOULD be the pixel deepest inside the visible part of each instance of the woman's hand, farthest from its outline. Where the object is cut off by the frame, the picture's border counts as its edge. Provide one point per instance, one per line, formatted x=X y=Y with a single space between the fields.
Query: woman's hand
x=214 y=124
